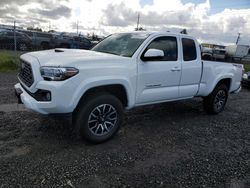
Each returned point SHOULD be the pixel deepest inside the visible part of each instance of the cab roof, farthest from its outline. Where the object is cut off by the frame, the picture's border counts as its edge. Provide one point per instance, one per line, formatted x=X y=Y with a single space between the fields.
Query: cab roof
x=155 y=33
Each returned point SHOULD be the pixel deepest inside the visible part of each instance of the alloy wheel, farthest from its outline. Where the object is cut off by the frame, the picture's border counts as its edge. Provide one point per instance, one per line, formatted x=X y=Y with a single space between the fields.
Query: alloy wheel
x=220 y=100
x=102 y=119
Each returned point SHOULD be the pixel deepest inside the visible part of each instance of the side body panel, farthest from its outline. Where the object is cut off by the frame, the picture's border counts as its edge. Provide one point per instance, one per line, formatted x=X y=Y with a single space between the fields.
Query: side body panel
x=214 y=72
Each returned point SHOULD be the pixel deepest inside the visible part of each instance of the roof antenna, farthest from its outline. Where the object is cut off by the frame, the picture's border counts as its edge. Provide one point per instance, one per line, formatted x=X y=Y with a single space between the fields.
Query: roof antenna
x=184 y=31
x=138 y=22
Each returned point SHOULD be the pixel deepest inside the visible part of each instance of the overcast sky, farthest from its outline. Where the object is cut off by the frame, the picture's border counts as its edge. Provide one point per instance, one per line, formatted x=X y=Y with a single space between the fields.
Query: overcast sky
x=217 y=21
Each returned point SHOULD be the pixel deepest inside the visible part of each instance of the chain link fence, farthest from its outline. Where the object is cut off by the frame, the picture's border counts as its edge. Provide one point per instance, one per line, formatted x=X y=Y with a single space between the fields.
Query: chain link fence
x=15 y=41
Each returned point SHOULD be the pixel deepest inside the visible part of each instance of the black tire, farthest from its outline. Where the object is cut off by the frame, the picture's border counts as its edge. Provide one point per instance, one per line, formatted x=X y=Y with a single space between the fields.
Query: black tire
x=89 y=106
x=22 y=47
x=216 y=101
x=44 y=45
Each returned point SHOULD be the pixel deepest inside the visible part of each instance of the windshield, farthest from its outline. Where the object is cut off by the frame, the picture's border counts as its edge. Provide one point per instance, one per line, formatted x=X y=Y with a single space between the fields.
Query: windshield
x=124 y=44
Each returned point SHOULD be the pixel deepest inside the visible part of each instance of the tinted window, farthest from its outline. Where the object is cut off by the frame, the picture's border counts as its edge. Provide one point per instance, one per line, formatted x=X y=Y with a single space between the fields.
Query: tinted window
x=85 y=40
x=10 y=34
x=43 y=35
x=3 y=33
x=189 y=49
x=29 y=34
x=19 y=35
x=168 y=45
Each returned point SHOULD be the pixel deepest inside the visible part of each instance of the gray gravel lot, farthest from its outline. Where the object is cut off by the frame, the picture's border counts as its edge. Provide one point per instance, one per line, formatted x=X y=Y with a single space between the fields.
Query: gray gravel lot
x=168 y=145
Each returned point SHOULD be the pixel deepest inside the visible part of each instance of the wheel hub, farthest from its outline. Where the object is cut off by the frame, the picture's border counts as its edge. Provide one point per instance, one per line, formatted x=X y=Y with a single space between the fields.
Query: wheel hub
x=102 y=119
x=220 y=99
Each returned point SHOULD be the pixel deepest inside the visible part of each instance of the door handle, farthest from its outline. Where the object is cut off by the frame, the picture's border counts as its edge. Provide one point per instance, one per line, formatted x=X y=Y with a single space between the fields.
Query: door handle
x=175 y=69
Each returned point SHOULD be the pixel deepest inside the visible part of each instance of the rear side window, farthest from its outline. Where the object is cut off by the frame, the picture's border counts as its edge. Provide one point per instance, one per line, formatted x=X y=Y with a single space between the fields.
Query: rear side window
x=44 y=35
x=85 y=40
x=10 y=34
x=19 y=34
x=168 y=45
x=29 y=34
x=189 y=49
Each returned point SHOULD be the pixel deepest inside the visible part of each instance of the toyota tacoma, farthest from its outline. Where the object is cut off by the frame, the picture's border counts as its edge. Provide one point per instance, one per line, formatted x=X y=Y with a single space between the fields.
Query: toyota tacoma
x=124 y=71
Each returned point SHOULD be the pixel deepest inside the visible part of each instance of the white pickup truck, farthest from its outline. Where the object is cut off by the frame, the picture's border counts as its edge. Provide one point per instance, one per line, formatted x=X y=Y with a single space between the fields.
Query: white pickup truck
x=123 y=71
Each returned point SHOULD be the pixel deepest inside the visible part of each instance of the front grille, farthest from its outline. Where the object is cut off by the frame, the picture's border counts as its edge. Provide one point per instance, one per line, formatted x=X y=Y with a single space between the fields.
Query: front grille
x=25 y=73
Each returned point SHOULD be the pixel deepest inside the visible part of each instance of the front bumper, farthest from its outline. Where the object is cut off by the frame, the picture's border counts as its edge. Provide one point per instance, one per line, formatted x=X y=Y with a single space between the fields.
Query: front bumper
x=61 y=103
x=29 y=102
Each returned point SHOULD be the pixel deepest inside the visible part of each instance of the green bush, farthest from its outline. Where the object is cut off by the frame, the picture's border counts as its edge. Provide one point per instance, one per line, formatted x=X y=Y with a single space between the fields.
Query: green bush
x=8 y=62
x=247 y=67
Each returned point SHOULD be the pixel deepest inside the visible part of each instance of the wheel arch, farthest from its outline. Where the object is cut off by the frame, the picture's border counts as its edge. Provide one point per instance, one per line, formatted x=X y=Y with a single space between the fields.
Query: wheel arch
x=116 y=89
x=226 y=81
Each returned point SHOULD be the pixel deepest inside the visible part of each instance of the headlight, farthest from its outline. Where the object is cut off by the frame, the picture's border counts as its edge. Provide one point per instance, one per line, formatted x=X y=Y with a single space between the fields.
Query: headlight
x=58 y=73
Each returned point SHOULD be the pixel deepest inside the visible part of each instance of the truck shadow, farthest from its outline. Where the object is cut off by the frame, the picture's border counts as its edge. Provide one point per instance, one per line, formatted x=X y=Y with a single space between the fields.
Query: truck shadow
x=140 y=117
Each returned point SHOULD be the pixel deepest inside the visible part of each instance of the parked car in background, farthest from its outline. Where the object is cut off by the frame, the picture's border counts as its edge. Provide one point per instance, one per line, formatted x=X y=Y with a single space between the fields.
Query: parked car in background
x=218 y=54
x=23 y=42
x=246 y=79
x=94 y=42
x=206 y=53
x=72 y=41
x=236 y=51
x=40 y=40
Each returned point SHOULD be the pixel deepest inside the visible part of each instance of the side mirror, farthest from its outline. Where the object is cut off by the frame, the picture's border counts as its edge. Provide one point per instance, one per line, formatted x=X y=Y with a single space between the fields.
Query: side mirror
x=153 y=54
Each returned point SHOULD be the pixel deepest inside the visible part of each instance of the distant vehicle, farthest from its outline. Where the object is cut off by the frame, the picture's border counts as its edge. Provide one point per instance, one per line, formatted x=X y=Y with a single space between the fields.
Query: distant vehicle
x=206 y=53
x=236 y=51
x=73 y=42
x=94 y=42
x=40 y=40
x=246 y=79
x=23 y=42
x=213 y=53
x=218 y=54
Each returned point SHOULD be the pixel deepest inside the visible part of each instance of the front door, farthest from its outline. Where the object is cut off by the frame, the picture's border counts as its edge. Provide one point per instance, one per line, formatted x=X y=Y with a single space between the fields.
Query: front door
x=158 y=79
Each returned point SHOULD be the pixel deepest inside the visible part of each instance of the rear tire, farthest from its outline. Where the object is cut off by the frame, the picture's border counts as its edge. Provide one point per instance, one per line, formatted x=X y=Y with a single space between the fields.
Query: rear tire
x=216 y=101
x=44 y=45
x=99 y=117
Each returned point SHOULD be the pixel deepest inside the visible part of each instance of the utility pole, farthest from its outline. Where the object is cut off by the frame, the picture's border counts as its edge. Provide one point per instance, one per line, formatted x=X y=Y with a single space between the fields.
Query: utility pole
x=238 y=38
x=15 y=35
x=49 y=26
x=77 y=27
x=138 y=22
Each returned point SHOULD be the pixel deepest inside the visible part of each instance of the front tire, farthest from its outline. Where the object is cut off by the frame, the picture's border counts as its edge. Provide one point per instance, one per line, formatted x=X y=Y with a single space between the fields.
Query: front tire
x=99 y=117
x=44 y=45
x=216 y=101
x=22 y=47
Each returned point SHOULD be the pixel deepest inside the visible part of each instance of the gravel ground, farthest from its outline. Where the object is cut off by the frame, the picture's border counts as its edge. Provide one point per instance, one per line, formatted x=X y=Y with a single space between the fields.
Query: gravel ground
x=7 y=82
x=168 y=145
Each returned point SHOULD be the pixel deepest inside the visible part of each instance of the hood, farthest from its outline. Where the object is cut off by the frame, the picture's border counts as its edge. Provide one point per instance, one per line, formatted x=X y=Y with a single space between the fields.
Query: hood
x=72 y=57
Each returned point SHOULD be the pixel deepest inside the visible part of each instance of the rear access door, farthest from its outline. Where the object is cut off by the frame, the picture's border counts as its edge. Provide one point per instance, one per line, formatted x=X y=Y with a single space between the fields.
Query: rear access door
x=191 y=68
